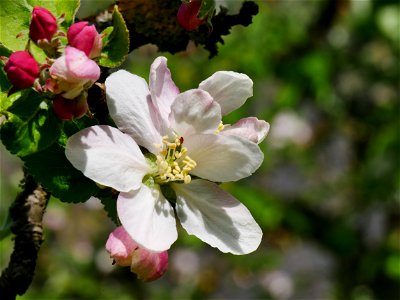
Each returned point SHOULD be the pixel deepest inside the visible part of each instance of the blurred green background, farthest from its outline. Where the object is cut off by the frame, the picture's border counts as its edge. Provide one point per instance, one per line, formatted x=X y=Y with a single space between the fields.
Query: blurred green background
x=326 y=77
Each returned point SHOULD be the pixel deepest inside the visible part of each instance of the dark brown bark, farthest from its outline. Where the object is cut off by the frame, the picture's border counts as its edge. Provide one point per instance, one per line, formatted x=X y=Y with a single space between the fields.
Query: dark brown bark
x=27 y=214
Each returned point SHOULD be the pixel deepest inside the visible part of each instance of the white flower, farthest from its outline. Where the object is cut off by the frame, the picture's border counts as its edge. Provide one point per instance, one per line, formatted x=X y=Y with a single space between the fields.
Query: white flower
x=188 y=149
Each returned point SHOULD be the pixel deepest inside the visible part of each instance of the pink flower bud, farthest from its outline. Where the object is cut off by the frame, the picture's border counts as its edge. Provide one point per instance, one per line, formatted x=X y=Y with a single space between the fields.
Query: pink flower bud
x=43 y=25
x=69 y=109
x=85 y=38
x=187 y=15
x=22 y=69
x=72 y=73
x=148 y=265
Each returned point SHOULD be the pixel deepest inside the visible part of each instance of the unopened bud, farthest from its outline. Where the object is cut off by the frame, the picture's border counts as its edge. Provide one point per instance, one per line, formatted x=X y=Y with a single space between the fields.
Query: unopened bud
x=85 y=38
x=43 y=25
x=22 y=69
x=148 y=265
x=69 y=109
x=188 y=15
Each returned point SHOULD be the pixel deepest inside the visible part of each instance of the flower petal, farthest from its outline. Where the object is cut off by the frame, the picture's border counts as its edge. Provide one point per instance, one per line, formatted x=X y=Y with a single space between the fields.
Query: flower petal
x=229 y=89
x=121 y=246
x=216 y=217
x=148 y=218
x=223 y=158
x=130 y=106
x=80 y=67
x=107 y=156
x=249 y=128
x=163 y=90
x=194 y=111
x=149 y=265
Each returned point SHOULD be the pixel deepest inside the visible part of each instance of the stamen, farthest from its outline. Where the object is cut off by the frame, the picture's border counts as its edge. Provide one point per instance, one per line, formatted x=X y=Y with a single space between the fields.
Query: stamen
x=220 y=128
x=173 y=163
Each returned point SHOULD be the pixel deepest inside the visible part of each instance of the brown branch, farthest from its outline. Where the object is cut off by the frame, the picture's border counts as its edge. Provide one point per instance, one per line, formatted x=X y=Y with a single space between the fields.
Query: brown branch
x=27 y=214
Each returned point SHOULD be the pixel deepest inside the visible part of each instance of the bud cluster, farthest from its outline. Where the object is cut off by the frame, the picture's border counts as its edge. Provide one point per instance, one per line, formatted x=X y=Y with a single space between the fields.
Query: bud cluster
x=69 y=71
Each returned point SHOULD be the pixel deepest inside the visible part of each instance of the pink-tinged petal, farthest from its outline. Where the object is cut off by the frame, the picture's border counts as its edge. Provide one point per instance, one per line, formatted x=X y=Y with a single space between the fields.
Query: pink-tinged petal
x=107 y=156
x=148 y=218
x=222 y=158
x=149 y=265
x=194 y=111
x=121 y=246
x=130 y=106
x=163 y=90
x=216 y=217
x=80 y=66
x=75 y=67
x=249 y=128
x=229 y=89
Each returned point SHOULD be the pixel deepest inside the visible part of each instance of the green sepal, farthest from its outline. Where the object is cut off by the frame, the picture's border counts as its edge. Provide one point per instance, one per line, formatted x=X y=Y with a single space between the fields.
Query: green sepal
x=108 y=198
x=52 y=169
x=117 y=45
x=206 y=9
x=31 y=125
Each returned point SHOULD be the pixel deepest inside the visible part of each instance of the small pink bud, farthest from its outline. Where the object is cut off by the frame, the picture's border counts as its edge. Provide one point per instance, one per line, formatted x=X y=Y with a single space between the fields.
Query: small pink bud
x=188 y=15
x=43 y=25
x=22 y=69
x=85 y=38
x=69 y=109
x=148 y=265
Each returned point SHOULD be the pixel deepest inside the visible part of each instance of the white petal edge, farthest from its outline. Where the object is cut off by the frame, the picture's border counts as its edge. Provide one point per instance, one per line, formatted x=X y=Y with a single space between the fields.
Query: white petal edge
x=130 y=106
x=249 y=128
x=148 y=218
x=229 y=89
x=194 y=111
x=107 y=156
x=216 y=217
x=162 y=88
x=222 y=158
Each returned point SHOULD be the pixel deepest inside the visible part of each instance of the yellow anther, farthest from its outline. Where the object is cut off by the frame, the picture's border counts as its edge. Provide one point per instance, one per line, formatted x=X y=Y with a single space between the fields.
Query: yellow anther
x=220 y=128
x=187 y=179
x=172 y=162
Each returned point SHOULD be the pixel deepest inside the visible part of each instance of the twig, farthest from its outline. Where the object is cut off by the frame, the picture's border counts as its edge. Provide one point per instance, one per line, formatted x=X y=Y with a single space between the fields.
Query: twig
x=27 y=214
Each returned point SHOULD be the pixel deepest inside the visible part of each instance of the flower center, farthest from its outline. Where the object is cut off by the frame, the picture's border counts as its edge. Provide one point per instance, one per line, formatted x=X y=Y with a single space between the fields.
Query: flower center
x=173 y=163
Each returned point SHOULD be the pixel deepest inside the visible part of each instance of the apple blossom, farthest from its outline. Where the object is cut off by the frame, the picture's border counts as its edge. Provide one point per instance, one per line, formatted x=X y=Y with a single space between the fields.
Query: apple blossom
x=148 y=265
x=43 y=25
x=22 y=69
x=85 y=38
x=72 y=73
x=187 y=154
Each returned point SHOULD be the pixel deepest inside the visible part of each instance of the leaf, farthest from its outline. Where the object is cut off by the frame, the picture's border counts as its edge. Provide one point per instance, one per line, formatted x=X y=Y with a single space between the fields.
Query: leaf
x=106 y=33
x=109 y=201
x=52 y=169
x=29 y=127
x=15 y=17
x=117 y=46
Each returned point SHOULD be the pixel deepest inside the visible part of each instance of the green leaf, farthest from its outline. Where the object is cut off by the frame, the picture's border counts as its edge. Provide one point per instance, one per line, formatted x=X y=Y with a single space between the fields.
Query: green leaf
x=30 y=127
x=15 y=17
x=52 y=169
x=117 y=45
x=109 y=199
